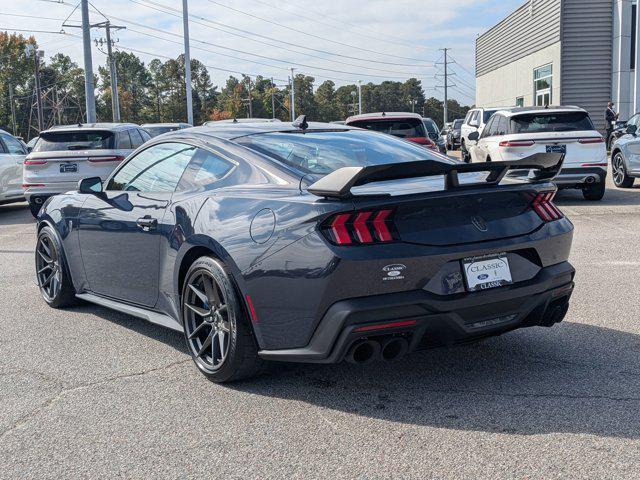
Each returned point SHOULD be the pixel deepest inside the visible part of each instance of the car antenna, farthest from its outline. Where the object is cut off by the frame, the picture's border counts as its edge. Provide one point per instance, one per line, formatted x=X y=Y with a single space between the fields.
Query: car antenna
x=384 y=114
x=235 y=120
x=301 y=122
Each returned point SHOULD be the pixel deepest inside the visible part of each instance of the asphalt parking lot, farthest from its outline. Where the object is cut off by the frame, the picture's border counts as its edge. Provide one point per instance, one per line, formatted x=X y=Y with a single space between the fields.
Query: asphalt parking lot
x=91 y=393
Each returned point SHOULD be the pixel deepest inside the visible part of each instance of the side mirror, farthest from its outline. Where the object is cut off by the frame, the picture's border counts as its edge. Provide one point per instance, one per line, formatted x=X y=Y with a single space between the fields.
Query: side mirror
x=90 y=185
x=474 y=136
x=29 y=149
x=632 y=129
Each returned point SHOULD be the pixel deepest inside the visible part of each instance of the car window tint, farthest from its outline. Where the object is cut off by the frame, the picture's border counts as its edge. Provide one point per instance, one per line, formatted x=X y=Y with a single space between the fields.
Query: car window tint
x=156 y=169
x=551 y=122
x=321 y=153
x=488 y=129
x=13 y=146
x=487 y=115
x=136 y=138
x=145 y=135
x=124 y=140
x=402 y=127
x=500 y=125
x=74 y=140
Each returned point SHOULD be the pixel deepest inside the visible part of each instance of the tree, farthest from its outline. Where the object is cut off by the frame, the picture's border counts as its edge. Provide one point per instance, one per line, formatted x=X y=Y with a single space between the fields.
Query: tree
x=325 y=99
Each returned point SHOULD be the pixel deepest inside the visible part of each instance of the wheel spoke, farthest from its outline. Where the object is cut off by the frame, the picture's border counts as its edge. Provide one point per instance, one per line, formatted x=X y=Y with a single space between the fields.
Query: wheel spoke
x=48 y=279
x=199 y=294
x=198 y=310
x=197 y=330
x=206 y=344
x=225 y=327
x=45 y=257
x=221 y=336
x=46 y=267
x=46 y=248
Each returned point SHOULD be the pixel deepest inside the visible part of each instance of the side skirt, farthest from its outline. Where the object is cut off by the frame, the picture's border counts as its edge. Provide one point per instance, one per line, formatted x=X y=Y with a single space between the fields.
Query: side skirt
x=149 y=315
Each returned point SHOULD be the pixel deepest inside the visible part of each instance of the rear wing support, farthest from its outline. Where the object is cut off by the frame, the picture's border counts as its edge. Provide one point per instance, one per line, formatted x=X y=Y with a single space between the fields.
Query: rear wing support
x=539 y=167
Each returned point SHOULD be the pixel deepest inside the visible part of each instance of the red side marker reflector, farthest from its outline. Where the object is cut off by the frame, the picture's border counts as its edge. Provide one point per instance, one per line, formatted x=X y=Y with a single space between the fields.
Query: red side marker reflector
x=252 y=310
x=384 y=326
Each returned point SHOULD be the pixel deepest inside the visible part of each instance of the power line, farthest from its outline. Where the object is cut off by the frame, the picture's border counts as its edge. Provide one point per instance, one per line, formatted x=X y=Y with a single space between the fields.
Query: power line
x=310 y=34
x=172 y=11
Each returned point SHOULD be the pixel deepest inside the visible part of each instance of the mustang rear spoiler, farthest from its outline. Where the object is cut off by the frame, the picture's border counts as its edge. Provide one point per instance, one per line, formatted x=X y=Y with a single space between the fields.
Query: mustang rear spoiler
x=338 y=184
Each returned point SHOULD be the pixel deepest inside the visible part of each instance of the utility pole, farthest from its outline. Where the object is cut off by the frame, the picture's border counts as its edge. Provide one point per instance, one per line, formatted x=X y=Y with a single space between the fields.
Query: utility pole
x=115 y=97
x=13 y=111
x=29 y=51
x=359 y=97
x=187 y=61
x=293 y=96
x=446 y=75
x=250 y=100
x=273 y=100
x=88 y=63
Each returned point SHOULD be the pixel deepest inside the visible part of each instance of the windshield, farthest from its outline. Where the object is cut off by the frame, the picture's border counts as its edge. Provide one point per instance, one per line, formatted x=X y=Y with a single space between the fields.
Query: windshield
x=457 y=124
x=432 y=129
x=398 y=127
x=321 y=153
x=75 y=140
x=486 y=115
x=155 y=131
x=551 y=122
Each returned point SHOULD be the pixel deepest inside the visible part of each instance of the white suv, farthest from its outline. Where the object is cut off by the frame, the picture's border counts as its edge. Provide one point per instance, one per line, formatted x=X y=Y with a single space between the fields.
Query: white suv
x=475 y=121
x=12 y=153
x=65 y=155
x=516 y=133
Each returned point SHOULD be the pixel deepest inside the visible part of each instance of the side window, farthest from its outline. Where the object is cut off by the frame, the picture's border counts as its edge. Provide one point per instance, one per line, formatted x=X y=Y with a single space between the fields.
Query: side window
x=633 y=120
x=468 y=117
x=13 y=146
x=205 y=169
x=474 y=118
x=145 y=136
x=489 y=128
x=501 y=127
x=156 y=169
x=123 y=141
x=136 y=138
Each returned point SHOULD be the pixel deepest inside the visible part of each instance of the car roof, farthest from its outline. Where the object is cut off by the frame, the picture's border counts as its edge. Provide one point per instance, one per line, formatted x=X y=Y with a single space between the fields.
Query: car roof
x=230 y=131
x=235 y=121
x=92 y=126
x=510 y=112
x=382 y=116
x=165 y=124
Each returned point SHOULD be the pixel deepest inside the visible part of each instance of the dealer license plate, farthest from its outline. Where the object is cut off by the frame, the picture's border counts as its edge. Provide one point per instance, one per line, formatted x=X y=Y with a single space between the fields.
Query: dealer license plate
x=482 y=273
x=68 y=167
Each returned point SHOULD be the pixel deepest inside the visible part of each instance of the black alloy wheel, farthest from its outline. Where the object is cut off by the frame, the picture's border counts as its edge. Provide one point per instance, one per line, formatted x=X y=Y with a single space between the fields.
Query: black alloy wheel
x=216 y=329
x=51 y=270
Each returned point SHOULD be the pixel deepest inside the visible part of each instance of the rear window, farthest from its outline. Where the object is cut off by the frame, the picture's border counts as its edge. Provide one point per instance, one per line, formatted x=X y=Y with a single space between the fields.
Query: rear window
x=551 y=122
x=75 y=140
x=155 y=131
x=403 y=127
x=321 y=153
x=430 y=125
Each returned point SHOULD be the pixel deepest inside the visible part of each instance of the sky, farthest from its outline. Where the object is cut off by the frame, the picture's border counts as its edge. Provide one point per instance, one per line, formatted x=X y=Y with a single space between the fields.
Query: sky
x=343 y=41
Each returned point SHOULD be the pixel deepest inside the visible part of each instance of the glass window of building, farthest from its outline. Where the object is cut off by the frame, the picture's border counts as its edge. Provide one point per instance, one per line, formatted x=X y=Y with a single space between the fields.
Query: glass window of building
x=542 y=85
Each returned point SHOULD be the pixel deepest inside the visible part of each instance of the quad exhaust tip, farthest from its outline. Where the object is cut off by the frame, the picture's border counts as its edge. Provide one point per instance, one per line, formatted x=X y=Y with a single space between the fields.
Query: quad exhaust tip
x=364 y=352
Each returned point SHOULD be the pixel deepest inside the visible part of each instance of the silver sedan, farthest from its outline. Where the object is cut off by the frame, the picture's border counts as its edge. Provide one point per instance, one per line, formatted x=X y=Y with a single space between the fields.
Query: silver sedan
x=625 y=157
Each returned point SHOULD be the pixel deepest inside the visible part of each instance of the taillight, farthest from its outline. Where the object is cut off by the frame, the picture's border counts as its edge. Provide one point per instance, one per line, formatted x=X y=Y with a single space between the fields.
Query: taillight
x=522 y=143
x=111 y=158
x=35 y=162
x=591 y=140
x=361 y=228
x=544 y=207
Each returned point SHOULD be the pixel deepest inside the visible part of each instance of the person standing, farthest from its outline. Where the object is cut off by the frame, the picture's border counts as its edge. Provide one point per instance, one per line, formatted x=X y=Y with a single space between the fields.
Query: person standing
x=610 y=116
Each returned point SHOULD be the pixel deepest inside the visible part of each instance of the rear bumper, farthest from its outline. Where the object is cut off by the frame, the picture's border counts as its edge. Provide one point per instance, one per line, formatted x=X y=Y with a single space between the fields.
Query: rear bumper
x=578 y=177
x=50 y=189
x=437 y=320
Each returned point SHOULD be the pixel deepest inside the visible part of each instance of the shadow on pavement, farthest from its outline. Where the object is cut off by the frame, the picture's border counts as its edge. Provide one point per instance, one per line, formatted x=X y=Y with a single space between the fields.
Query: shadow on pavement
x=612 y=197
x=15 y=214
x=574 y=379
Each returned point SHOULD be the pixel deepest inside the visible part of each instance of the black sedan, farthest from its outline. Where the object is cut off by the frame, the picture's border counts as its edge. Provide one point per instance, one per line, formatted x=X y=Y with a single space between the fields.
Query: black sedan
x=310 y=243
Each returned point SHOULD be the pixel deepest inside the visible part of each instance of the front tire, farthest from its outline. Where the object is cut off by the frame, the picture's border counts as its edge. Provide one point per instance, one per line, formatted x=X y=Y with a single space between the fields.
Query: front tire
x=594 y=191
x=466 y=157
x=620 y=177
x=34 y=208
x=52 y=272
x=216 y=328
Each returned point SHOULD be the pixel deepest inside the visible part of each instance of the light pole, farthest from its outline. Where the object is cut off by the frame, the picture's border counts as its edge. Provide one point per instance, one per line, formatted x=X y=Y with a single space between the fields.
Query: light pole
x=293 y=95
x=359 y=97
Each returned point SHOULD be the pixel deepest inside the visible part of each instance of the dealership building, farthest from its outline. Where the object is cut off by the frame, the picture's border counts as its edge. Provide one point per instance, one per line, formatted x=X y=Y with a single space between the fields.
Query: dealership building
x=562 y=52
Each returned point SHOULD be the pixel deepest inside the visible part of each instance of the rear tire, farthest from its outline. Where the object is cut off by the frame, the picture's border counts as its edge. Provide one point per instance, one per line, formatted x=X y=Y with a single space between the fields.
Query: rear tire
x=466 y=157
x=619 y=171
x=34 y=208
x=594 y=191
x=216 y=327
x=52 y=271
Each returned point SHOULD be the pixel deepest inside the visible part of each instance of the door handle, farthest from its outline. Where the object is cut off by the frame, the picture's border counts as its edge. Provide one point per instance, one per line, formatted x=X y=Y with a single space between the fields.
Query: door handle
x=147 y=223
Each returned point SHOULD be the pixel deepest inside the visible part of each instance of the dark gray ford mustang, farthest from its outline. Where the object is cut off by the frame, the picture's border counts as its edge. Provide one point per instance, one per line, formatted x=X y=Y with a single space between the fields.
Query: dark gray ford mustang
x=310 y=243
